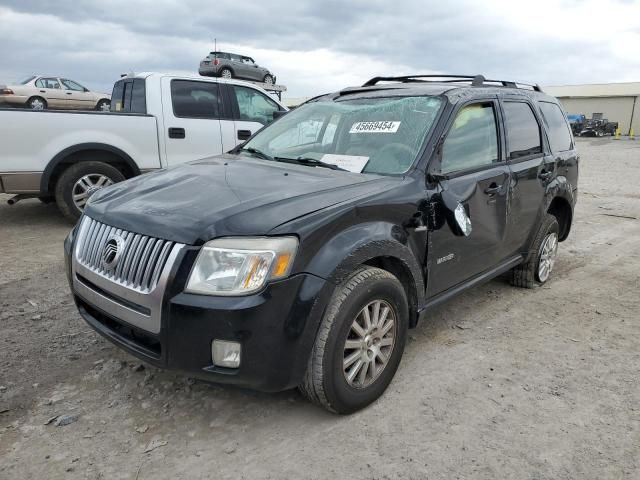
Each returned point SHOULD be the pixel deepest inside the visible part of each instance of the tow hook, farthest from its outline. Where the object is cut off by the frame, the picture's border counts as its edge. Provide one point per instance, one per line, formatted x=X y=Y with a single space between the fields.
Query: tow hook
x=21 y=196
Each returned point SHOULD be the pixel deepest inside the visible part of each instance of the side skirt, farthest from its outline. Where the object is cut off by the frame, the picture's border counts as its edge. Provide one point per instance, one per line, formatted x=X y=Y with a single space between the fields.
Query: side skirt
x=472 y=282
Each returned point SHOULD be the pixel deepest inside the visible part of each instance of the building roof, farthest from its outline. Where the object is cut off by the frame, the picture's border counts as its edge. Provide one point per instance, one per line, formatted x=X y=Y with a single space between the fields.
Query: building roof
x=595 y=90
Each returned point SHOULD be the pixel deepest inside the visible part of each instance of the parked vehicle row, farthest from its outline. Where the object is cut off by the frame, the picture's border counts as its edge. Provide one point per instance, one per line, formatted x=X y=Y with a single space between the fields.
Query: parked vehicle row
x=302 y=257
x=156 y=121
x=56 y=93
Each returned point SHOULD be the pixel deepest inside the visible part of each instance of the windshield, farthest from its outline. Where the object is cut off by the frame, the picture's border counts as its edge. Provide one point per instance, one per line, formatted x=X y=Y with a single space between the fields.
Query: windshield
x=372 y=135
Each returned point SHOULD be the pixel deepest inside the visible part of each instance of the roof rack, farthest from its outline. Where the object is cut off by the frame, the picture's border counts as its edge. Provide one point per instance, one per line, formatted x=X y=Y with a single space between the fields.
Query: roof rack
x=475 y=80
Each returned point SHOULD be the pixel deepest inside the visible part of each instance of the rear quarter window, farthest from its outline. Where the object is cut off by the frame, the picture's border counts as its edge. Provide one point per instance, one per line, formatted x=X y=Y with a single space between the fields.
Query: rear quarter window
x=557 y=127
x=129 y=96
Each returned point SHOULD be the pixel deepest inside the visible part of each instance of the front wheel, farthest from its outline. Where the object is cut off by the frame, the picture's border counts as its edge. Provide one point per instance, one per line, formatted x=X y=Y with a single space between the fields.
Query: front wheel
x=78 y=182
x=360 y=342
x=103 y=105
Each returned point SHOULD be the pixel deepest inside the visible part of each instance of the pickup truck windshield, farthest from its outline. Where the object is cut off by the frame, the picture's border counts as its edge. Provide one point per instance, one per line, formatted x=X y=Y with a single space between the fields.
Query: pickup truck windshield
x=372 y=135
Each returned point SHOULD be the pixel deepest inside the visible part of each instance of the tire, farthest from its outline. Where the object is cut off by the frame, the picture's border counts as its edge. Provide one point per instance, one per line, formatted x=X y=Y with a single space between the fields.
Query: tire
x=103 y=105
x=528 y=274
x=268 y=79
x=70 y=181
x=37 y=103
x=325 y=382
x=226 y=73
x=47 y=200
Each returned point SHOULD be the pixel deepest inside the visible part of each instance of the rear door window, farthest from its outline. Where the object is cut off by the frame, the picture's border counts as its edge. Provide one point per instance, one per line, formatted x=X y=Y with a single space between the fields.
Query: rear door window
x=472 y=141
x=194 y=99
x=523 y=131
x=557 y=127
x=47 y=83
x=129 y=96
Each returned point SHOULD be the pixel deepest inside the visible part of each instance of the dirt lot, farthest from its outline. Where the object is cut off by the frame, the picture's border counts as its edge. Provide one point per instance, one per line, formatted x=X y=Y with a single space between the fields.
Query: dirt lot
x=499 y=383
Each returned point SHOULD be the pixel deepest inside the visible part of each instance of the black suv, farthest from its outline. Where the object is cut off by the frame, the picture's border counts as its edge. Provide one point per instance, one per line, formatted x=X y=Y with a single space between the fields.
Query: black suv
x=301 y=258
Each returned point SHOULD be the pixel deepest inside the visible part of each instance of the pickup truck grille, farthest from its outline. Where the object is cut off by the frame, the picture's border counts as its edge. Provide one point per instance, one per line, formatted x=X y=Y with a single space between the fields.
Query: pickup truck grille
x=132 y=260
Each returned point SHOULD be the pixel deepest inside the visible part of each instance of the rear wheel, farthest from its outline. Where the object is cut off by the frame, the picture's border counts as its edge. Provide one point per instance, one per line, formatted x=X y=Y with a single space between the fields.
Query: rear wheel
x=37 y=103
x=78 y=182
x=268 y=79
x=226 y=73
x=360 y=342
x=544 y=250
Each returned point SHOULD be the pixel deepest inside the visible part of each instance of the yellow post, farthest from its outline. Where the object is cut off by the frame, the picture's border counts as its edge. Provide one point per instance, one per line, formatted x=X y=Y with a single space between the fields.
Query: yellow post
x=631 y=135
x=617 y=134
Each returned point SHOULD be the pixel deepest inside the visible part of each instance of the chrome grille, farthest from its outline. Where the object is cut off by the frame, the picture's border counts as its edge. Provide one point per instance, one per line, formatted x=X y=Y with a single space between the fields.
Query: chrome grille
x=141 y=259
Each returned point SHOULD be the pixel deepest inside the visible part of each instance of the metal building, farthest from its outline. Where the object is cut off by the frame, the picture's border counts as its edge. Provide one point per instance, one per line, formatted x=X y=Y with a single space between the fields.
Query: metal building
x=618 y=102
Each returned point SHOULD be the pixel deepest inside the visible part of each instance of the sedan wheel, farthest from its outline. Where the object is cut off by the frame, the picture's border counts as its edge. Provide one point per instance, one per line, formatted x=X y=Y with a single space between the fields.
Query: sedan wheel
x=37 y=104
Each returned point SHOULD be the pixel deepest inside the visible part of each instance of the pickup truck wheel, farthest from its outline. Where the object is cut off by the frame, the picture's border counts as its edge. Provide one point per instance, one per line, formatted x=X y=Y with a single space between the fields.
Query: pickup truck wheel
x=81 y=180
x=537 y=269
x=359 y=343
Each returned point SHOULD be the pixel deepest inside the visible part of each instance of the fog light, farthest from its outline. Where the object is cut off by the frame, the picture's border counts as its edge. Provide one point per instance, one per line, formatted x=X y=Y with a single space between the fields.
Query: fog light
x=225 y=354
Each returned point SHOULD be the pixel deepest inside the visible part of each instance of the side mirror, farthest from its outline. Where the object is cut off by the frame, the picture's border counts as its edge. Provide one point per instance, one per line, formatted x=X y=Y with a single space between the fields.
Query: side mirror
x=279 y=113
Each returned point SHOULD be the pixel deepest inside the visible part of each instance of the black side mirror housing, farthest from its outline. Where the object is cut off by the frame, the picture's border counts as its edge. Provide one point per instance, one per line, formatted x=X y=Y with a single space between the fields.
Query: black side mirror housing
x=279 y=113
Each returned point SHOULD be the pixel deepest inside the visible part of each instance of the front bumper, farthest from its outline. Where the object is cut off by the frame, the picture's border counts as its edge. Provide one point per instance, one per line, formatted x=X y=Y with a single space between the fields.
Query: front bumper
x=275 y=327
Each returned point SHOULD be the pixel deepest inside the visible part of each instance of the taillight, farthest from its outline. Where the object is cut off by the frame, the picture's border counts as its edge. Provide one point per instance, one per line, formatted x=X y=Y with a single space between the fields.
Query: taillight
x=6 y=91
x=216 y=62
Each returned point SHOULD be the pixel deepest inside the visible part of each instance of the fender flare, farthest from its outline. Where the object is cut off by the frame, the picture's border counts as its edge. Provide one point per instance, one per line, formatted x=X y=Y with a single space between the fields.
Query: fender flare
x=356 y=245
x=61 y=156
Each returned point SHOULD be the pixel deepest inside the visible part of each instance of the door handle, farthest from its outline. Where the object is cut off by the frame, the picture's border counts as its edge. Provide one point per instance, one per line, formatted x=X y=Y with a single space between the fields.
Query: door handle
x=43 y=91
x=69 y=93
x=176 y=132
x=244 y=134
x=492 y=189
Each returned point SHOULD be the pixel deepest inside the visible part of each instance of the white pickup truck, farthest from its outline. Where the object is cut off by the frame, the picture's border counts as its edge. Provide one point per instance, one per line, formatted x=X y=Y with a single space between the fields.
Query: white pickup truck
x=156 y=120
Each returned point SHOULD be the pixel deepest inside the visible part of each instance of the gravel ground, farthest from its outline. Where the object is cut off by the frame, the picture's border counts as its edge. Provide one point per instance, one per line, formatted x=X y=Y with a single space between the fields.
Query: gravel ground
x=498 y=383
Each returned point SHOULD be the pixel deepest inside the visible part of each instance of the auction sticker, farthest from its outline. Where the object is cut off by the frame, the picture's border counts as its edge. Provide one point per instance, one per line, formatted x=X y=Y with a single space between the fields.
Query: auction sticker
x=375 y=127
x=353 y=163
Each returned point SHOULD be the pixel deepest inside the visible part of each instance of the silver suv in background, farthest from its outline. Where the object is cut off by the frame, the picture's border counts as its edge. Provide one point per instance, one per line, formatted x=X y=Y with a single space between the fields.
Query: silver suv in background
x=231 y=65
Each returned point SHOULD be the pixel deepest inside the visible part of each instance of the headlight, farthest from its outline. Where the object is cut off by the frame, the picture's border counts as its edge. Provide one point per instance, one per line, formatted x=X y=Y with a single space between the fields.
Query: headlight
x=241 y=265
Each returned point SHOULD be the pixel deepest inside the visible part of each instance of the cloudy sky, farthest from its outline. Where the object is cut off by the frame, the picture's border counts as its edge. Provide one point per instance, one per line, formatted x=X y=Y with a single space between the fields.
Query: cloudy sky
x=322 y=45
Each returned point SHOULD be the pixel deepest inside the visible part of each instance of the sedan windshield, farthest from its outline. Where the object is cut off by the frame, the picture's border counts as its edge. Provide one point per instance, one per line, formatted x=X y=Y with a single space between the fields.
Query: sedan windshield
x=371 y=135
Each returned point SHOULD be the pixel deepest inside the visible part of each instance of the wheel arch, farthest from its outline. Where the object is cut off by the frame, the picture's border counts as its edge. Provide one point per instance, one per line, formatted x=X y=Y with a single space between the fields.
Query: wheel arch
x=373 y=244
x=77 y=153
x=561 y=208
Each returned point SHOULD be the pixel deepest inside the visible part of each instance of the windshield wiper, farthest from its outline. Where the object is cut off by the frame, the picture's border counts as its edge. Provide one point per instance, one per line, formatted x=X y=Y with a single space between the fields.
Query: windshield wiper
x=314 y=162
x=257 y=153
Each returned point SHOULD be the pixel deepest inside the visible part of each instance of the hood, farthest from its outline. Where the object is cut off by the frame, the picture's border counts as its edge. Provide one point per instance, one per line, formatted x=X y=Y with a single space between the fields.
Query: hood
x=225 y=195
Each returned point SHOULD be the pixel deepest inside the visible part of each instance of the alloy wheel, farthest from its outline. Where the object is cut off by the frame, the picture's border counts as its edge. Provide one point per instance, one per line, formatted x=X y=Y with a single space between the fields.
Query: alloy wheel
x=226 y=73
x=548 y=254
x=87 y=186
x=369 y=344
x=36 y=104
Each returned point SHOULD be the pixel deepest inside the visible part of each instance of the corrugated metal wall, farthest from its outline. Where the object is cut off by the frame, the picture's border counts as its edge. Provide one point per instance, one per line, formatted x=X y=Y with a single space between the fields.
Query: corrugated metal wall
x=616 y=109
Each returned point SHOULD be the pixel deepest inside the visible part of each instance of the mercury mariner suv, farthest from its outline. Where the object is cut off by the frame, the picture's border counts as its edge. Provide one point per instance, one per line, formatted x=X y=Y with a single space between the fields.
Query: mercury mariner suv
x=302 y=257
